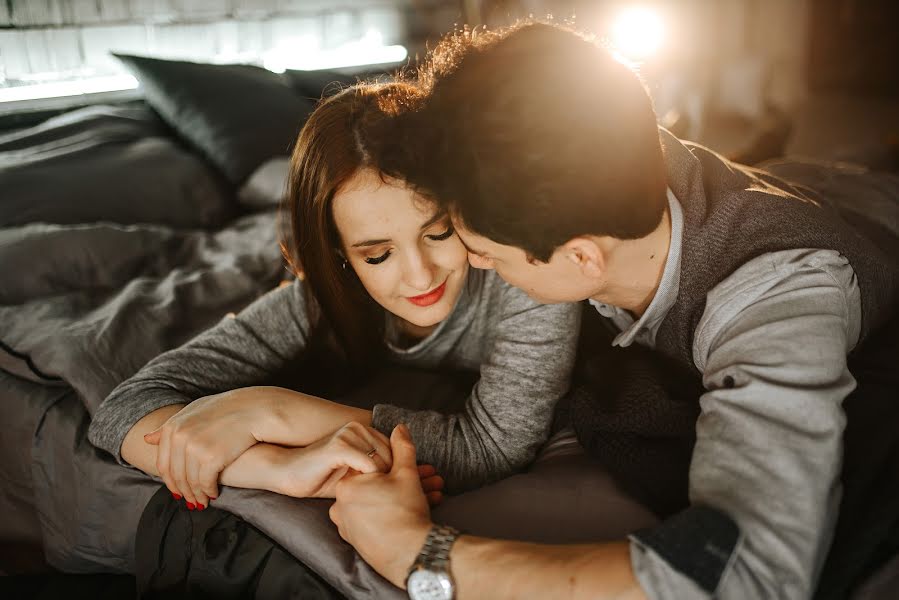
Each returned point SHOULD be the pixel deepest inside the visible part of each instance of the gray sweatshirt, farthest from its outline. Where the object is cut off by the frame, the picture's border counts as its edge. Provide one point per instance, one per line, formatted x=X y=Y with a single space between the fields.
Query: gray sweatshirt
x=524 y=350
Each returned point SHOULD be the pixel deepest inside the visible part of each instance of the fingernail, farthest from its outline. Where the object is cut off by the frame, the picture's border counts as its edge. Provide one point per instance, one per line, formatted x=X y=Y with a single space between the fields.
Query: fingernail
x=200 y=506
x=215 y=498
x=191 y=506
x=176 y=496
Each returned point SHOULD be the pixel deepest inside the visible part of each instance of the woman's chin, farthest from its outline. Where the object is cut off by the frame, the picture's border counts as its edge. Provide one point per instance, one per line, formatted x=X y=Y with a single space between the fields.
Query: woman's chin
x=427 y=316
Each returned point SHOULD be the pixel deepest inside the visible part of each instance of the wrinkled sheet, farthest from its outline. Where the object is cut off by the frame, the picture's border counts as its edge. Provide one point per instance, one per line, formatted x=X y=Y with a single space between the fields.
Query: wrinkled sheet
x=83 y=307
x=91 y=304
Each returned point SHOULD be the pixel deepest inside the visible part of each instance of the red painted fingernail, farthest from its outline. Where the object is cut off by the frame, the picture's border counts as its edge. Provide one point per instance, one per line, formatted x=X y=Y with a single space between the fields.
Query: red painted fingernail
x=200 y=506
x=191 y=506
x=216 y=498
x=176 y=496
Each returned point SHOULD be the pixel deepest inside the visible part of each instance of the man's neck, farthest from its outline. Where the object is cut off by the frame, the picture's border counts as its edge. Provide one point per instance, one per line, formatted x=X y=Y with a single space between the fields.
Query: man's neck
x=634 y=269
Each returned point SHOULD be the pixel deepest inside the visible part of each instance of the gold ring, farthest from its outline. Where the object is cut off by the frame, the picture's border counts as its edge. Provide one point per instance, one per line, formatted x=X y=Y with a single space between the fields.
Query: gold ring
x=372 y=452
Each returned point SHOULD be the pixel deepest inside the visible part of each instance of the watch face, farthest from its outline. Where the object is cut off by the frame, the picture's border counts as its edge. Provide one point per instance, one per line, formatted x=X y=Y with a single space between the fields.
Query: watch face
x=429 y=585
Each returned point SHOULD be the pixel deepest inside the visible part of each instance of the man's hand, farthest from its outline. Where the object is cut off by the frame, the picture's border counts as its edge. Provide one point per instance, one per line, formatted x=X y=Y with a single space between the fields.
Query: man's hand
x=385 y=516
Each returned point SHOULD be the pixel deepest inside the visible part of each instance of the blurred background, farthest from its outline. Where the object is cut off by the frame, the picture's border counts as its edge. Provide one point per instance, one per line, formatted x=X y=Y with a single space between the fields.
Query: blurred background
x=813 y=77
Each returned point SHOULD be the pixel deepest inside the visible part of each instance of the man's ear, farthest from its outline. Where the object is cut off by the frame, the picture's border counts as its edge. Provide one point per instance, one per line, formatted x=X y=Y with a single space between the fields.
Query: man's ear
x=587 y=255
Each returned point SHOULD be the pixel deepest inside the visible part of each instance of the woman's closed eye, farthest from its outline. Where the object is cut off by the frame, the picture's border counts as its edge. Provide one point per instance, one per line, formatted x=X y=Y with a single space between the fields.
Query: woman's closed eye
x=375 y=260
x=442 y=236
x=439 y=237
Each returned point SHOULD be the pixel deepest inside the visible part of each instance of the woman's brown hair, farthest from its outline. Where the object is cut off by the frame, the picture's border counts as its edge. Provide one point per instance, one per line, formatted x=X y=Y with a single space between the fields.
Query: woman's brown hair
x=350 y=131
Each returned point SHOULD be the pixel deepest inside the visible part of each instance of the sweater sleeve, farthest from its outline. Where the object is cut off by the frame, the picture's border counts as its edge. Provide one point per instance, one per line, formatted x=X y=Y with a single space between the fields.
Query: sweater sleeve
x=237 y=352
x=765 y=476
x=508 y=414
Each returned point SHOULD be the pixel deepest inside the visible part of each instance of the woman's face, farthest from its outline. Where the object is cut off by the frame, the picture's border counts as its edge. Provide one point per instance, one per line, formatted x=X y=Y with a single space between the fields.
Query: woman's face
x=405 y=254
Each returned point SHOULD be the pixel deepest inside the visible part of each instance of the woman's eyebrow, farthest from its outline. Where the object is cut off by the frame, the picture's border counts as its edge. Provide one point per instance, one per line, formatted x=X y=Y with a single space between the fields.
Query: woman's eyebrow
x=436 y=217
x=370 y=243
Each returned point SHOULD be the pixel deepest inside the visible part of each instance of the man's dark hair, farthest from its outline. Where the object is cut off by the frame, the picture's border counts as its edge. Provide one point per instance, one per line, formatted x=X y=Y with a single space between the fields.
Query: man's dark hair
x=534 y=135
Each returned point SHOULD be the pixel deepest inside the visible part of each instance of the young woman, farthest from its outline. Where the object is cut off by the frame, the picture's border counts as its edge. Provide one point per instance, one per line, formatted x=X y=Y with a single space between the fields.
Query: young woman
x=384 y=280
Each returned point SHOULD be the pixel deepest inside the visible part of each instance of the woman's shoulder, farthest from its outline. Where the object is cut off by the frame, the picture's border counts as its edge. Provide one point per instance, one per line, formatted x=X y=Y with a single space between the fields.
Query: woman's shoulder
x=291 y=298
x=491 y=289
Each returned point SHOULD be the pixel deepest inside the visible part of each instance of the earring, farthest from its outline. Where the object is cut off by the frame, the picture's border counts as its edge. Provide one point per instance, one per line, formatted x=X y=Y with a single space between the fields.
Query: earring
x=344 y=264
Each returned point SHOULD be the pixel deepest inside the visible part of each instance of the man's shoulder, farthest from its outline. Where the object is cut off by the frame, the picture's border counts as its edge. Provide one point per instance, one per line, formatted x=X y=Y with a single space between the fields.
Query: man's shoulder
x=776 y=287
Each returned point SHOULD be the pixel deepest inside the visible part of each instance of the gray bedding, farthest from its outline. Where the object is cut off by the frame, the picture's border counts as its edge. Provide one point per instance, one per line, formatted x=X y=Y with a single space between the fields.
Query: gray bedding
x=82 y=307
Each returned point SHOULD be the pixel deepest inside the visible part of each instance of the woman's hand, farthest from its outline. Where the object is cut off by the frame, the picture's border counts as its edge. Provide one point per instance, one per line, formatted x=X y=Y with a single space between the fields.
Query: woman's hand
x=199 y=441
x=431 y=484
x=313 y=471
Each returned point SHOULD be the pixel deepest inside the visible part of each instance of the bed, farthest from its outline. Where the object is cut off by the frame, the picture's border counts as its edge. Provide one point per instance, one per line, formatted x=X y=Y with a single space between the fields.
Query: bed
x=127 y=229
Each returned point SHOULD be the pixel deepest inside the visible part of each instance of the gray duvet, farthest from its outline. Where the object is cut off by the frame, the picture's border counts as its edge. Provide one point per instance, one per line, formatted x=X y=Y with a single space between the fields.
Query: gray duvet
x=82 y=307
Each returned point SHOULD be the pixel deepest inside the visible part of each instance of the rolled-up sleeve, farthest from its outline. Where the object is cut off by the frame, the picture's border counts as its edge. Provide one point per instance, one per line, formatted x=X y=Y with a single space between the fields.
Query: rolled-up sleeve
x=765 y=474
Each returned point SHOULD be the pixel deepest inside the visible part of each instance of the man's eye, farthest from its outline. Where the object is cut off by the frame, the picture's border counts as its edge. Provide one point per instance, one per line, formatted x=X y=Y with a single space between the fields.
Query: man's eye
x=442 y=236
x=375 y=260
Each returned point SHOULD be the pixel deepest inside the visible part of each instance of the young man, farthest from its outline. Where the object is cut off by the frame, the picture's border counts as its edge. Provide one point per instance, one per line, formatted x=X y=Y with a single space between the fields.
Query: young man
x=751 y=290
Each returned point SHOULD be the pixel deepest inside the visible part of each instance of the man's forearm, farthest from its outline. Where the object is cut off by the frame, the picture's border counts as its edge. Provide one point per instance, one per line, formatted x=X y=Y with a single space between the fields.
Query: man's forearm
x=503 y=569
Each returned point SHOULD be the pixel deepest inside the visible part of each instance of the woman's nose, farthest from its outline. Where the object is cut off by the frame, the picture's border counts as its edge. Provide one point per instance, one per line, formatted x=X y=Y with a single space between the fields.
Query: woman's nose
x=419 y=272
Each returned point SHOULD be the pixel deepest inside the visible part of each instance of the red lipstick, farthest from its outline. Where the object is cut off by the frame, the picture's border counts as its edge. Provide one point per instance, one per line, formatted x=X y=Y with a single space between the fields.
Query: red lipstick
x=429 y=298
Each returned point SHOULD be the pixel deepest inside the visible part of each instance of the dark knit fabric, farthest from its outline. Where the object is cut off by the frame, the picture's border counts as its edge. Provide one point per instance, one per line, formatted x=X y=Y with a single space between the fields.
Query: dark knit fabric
x=698 y=542
x=636 y=409
x=733 y=214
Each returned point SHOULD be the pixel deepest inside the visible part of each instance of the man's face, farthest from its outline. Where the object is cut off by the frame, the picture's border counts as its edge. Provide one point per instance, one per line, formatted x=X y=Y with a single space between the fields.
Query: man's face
x=559 y=280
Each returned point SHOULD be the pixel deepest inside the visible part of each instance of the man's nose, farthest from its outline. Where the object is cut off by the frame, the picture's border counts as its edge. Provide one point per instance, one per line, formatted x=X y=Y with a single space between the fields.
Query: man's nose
x=479 y=262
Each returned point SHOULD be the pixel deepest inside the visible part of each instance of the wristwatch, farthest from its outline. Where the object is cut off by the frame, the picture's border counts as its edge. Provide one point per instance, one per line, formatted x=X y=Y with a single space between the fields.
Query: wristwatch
x=430 y=577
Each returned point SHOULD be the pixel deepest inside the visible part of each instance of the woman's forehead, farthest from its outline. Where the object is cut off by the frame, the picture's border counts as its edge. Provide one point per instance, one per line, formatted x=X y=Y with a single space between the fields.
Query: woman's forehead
x=373 y=207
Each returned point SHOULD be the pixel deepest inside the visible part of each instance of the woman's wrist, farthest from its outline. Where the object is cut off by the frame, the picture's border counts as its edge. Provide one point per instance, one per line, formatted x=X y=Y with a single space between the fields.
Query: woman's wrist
x=293 y=418
x=261 y=467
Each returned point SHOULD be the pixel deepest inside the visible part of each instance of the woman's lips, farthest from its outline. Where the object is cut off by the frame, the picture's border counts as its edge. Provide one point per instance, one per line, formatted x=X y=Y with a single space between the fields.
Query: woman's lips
x=429 y=298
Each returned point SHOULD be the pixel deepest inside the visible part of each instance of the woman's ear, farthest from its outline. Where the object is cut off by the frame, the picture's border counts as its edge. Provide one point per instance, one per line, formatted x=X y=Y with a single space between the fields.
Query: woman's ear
x=587 y=255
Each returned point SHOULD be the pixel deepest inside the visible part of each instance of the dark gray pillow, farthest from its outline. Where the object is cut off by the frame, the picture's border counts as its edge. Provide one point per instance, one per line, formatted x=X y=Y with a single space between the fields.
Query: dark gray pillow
x=267 y=186
x=320 y=84
x=237 y=115
x=107 y=164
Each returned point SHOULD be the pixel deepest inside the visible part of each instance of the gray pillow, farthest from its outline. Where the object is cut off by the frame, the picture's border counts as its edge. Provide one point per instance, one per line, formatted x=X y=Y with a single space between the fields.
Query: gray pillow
x=107 y=164
x=238 y=116
x=267 y=186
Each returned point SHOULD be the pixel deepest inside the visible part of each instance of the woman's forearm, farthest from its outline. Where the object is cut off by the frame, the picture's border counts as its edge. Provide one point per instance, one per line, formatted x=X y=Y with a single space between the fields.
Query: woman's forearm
x=258 y=468
x=135 y=450
x=291 y=418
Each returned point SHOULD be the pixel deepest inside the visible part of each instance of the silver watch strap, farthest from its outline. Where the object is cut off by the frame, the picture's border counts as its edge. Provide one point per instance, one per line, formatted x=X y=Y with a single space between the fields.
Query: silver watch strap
x=435 y=552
